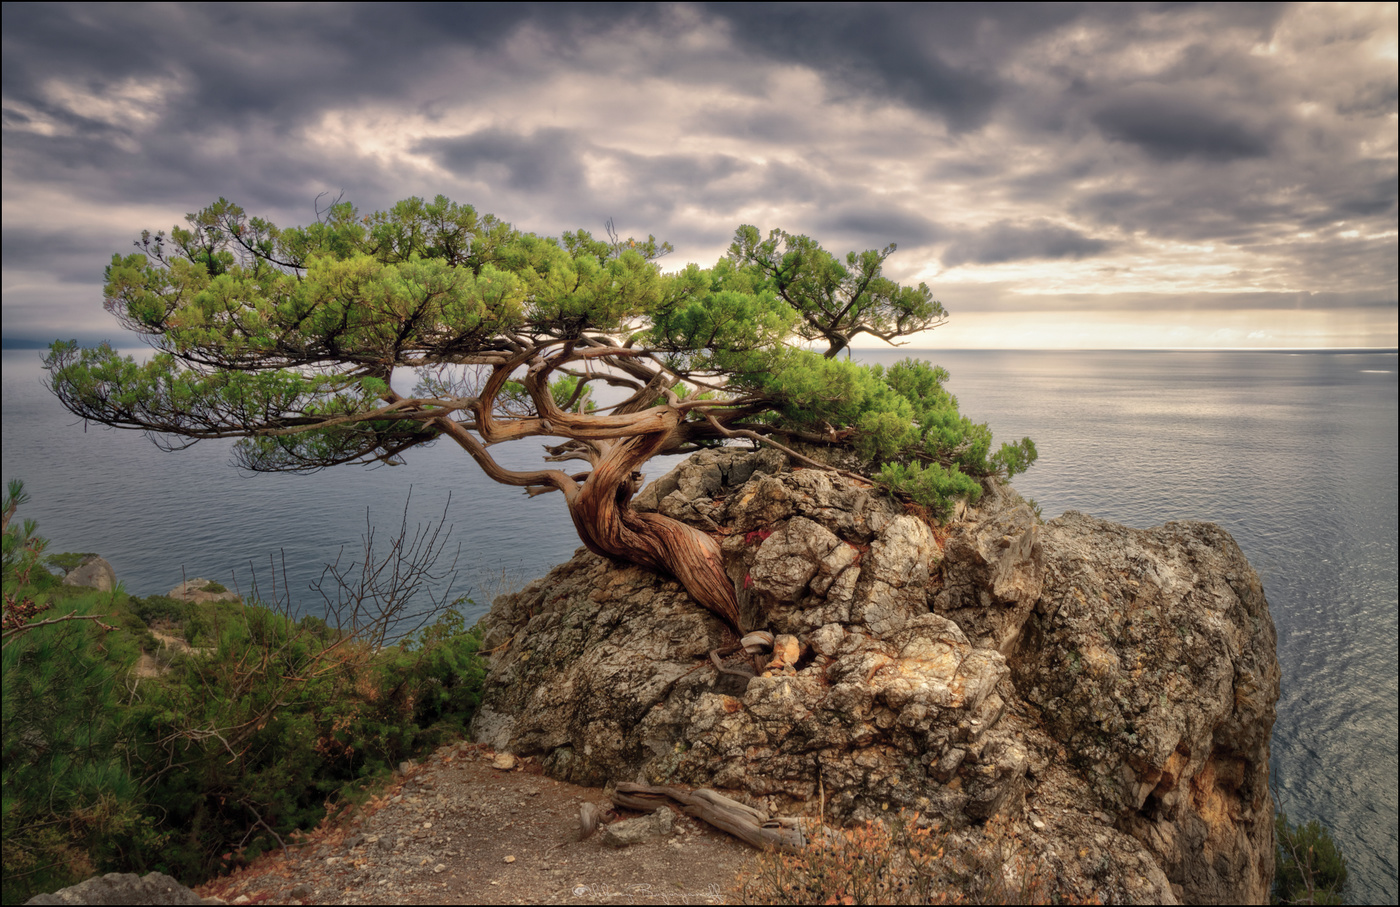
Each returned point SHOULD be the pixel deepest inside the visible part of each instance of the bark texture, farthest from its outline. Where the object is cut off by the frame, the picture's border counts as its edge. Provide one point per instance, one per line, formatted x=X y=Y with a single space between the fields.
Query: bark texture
x=607 y=523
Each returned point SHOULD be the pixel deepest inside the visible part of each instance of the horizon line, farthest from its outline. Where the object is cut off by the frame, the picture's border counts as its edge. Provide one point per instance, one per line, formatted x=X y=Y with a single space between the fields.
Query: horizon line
x=28 y=343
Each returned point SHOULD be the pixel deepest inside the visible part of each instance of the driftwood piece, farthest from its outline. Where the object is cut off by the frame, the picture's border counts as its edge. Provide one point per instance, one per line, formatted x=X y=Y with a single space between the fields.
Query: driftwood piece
x=752 y=826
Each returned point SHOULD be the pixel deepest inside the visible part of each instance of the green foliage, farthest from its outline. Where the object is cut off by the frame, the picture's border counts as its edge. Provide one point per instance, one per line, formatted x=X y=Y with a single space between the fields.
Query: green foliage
x=1013 y=459
x=162 y=608
x=283 y=715
x=288 y=338
x=835 y=302
x=108 y=770
x=933 y=485
x=21 y=548
x=68 y=561
x=1308 y=868
x=67 y=797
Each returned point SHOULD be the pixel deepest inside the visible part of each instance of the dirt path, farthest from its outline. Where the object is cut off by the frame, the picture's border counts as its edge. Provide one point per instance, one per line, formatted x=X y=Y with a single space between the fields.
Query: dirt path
x=456 y=830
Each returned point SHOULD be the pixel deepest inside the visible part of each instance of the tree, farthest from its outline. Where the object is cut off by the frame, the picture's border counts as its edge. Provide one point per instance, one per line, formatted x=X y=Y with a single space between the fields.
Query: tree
x=288 y=339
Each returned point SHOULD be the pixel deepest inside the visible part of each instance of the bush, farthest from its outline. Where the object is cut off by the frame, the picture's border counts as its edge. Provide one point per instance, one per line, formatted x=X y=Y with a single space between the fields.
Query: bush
x=68 y=561
x=1309 y=869
x=70 y=800
x=225 y=754
x=287 y=716
x=932 y=486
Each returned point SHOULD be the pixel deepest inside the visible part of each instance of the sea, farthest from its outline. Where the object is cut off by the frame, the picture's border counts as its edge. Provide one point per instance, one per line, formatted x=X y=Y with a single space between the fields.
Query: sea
x=1295 y=453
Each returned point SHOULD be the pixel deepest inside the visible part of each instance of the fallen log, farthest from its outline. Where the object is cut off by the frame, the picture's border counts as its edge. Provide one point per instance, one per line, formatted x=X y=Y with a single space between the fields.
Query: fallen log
x=752 y=826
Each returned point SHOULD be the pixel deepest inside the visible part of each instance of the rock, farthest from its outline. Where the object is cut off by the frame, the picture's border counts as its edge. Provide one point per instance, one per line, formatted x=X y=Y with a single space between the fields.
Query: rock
x=686 y=493
x=1014 y=668
x=93 y=572
x=658 y=824
x=196 y=590
x=992 y=570
x=123 y=888
x=787 y=652
x=503 y=762
x=1151 y=654
x=589 y=816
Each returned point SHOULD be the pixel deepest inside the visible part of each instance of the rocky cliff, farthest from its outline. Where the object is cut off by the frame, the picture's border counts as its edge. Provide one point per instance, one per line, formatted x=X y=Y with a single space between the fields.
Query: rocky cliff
x=1107 y=692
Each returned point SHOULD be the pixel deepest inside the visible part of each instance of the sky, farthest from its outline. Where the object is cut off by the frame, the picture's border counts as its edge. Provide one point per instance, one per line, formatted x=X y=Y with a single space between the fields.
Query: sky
x=1061 y=175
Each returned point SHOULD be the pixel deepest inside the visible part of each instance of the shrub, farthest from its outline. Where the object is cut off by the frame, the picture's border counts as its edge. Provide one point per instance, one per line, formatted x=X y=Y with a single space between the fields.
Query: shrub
x=68 y=796
x=286 y=716
x=67 y=561
x=1309 y=869
x=226 y=754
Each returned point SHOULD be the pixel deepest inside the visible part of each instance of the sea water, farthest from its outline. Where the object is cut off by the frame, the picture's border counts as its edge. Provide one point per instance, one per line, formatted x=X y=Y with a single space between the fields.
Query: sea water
x=1294 y=453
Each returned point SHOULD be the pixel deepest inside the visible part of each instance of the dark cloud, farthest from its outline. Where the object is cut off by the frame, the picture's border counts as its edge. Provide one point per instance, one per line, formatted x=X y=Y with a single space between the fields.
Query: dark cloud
x=874 y=50
x=949 y=60
x=1007 y=241
x=869 y=223
x=275 y=61
x=1170 y=128
x=546 y=161
x=68 y=256
x=1261 y=134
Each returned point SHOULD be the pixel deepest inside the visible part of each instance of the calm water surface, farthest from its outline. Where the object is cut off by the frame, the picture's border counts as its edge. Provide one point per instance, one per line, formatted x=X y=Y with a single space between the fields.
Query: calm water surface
x=1294 y=453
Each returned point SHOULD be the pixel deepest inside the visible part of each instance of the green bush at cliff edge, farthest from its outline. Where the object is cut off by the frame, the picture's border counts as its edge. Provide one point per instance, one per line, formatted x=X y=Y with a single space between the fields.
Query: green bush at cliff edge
x=203 y=759
x=1309 y=868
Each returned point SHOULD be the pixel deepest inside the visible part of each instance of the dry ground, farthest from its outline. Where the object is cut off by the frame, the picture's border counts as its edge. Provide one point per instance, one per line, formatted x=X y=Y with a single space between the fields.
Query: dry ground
x=455 y=830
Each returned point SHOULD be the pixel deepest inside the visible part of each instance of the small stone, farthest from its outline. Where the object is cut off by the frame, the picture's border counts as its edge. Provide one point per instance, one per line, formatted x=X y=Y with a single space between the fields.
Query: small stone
x=658 y=824
x=510 y=859
x=503 y=762
x=440 y=867
x=786 y=651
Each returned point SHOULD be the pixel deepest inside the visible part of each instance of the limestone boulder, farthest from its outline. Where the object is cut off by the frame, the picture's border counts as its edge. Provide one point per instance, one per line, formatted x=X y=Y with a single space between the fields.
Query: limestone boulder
x=124 y=888
x=1106 y=694
x=1150 y=655
x=993 y=570
x=94 y=572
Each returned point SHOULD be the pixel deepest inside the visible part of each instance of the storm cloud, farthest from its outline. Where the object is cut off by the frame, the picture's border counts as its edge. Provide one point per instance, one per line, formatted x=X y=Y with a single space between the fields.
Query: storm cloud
x=1047 y=158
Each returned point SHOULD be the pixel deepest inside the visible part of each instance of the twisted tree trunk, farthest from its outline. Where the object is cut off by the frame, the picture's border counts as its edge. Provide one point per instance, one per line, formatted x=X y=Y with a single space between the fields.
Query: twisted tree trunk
x=607 y=524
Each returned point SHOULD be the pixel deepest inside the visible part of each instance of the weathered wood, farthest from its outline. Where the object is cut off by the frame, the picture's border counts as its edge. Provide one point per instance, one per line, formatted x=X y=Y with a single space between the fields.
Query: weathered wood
x=752 y=826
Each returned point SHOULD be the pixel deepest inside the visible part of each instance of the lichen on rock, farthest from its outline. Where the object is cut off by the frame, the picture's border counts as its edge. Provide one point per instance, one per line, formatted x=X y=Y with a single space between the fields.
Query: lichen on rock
x=1108 y=692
